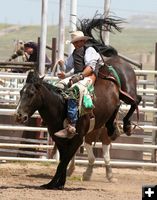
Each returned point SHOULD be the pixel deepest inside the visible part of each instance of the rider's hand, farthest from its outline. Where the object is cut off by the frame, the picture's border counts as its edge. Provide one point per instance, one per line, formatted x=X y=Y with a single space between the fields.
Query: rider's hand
x=75 y=79
x=61 y=63
x=61 y=75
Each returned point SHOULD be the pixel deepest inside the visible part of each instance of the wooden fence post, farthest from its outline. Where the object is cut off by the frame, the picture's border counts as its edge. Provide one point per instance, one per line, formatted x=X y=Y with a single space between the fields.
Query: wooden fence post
x=38 y=53
x=154 y=134
x=53 y=56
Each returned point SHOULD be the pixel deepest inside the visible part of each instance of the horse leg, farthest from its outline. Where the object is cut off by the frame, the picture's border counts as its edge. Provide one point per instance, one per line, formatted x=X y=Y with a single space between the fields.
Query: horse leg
x=66 y=154
x=54 y=151
x=106 y=155
x=71 y=167
x=112 y=129
x=91 y=159
x=134 y=105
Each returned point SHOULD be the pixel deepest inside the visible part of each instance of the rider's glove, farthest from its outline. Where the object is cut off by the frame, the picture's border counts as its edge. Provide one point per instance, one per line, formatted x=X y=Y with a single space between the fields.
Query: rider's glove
x=75 y=79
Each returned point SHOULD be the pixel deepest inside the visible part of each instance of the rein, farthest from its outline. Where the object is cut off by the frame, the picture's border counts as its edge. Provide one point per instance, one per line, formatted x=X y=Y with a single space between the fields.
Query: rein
x=108 y=77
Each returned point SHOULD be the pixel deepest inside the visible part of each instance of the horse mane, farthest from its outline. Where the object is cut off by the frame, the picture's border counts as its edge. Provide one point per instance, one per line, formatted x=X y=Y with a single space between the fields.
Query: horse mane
x=95 y=27
x=33 y=77
x=55 y=90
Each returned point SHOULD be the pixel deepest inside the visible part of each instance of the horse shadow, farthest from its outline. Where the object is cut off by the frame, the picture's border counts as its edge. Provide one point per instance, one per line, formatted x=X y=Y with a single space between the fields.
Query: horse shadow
x=35 y=187
x=43 y=176
x=20 y=186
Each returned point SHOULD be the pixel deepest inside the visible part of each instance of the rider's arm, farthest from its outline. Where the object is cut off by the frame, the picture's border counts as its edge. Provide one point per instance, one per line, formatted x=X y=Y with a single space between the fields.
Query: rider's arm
x=68 y=67
x=70 y=73
x=69 y=64
x=91 y=58
x=16 y=54
x=87 y=71
x=63 y=75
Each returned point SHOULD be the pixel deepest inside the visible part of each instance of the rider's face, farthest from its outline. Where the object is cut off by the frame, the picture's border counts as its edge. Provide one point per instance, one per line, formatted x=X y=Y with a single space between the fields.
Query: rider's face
x=28 y=50
x=79 y=44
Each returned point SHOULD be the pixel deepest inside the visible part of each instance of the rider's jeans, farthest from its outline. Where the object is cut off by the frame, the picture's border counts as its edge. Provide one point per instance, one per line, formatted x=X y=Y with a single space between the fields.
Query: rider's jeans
x=72 y=111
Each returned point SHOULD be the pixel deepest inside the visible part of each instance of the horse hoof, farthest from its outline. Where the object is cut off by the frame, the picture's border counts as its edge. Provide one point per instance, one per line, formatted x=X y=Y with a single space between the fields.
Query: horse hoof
x=51 y=187
x=70 y=172
x=128 y=133
x=127 y=130
x=109 y=178
x=109 y=174
x=117 y=132
x=113 y=180
x=85 y=178
x=45 y=186
x=113 y=137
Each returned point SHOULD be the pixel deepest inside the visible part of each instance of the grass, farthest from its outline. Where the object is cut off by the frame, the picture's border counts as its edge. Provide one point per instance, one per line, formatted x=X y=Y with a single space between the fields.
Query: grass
x=135 y=41
x=2 y=26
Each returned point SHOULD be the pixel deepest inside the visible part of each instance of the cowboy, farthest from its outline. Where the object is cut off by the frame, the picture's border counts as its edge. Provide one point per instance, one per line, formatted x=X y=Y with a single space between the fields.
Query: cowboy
x=82 y=64
x=32 y=49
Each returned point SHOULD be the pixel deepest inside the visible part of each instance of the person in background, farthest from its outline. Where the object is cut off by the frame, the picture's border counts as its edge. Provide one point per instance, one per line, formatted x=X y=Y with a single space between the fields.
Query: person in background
x=30 y=50
x=19 y=51
x=83 y=65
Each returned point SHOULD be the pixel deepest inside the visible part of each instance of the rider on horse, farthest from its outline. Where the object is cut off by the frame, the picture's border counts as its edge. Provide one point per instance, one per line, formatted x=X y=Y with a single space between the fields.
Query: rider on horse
x=83 y=63
x=86 y=62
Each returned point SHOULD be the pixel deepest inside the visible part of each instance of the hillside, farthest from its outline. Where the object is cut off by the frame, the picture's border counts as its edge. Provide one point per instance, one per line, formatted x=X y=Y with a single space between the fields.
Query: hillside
x=132 y=42
x=142 y=21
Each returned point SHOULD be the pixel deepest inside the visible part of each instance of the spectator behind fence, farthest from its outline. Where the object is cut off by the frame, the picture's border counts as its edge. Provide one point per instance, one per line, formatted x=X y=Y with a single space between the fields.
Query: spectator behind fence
x=30 y=50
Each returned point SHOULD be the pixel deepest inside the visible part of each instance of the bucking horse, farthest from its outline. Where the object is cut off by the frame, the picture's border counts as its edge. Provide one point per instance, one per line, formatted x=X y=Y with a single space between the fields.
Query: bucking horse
x=39 y=95
x=118 y=68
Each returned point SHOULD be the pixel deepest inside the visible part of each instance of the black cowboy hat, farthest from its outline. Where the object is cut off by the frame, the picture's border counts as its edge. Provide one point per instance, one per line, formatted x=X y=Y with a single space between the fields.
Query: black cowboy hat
x=30 y=45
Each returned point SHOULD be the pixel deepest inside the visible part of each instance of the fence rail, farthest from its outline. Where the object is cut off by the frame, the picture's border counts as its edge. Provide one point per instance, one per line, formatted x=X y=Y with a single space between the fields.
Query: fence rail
x=133 y=147
x=97 y=162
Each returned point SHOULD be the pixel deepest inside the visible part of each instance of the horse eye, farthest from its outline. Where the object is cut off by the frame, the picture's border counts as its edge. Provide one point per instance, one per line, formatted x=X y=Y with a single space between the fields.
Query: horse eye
x=30 y=93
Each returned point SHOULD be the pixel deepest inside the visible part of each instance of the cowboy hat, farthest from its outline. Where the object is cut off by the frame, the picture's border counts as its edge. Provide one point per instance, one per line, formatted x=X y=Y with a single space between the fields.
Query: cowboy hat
x=30 y=45
x=78 y=36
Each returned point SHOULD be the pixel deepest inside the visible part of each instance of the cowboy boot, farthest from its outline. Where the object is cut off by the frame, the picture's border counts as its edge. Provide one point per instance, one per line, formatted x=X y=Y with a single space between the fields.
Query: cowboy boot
x=68 y=132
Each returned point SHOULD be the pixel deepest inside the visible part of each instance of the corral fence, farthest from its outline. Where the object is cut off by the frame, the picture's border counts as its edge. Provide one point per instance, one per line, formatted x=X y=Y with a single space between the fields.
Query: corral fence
x=32 y=143
x=40 y=150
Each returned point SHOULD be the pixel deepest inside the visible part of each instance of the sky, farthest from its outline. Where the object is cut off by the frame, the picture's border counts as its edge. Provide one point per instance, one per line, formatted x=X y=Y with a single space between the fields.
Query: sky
x=28 y=12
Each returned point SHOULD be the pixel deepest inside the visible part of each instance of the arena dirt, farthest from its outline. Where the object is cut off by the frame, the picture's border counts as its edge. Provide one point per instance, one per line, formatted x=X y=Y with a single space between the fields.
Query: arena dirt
x=21 y=181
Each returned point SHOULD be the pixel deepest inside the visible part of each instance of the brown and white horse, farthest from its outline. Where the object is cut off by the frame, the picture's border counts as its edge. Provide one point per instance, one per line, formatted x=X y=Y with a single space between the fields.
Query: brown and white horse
x=99 y=135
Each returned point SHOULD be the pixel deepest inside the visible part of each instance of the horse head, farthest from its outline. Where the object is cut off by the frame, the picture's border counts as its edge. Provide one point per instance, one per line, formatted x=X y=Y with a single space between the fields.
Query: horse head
x=30 y=98
x=38 y=95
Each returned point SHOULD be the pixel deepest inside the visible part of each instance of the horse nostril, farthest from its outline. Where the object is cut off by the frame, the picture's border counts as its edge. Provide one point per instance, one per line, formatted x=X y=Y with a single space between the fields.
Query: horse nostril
x=18 y=117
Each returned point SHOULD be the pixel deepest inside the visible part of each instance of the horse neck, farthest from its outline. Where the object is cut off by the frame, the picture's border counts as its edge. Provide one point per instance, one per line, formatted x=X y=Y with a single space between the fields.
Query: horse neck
x=53 y=108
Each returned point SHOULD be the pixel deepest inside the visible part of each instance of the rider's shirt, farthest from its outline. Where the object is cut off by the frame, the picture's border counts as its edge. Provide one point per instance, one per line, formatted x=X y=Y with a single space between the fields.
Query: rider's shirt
x=86 y=57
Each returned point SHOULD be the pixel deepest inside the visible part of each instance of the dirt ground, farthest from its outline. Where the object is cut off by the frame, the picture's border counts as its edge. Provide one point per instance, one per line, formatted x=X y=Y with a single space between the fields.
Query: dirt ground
x=22 y=180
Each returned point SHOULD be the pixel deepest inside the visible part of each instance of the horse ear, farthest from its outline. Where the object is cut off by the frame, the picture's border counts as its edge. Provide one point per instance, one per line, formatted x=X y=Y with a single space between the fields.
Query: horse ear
x=41 y=78
x=32 y=77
